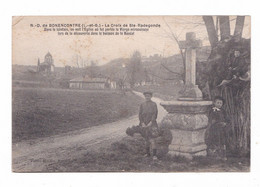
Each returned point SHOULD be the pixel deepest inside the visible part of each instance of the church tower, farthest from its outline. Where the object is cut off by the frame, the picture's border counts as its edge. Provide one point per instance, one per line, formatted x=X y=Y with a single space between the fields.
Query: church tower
x=38 y=65
x=48 y=59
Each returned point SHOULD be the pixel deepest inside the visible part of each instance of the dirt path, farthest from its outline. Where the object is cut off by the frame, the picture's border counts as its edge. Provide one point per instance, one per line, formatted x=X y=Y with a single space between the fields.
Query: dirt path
x=36 y=155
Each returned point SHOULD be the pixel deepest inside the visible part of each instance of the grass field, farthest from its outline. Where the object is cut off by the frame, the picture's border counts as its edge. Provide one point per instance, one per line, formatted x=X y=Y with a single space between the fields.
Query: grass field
x=42 y=112
x=128 y=155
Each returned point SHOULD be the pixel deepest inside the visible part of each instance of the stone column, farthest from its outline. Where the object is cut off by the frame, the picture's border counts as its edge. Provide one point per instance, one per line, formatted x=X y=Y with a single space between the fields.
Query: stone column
x=186 y=116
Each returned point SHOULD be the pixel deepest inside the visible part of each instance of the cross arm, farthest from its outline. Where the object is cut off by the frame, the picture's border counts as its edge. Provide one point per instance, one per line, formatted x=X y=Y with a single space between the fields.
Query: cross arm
x=190 y=44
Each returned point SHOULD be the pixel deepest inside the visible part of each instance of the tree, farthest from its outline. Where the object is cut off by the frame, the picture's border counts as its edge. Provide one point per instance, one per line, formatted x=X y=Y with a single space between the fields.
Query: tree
x=93 y=70
x=239 y=27
x=212 y=34
x=237 y=91
x=175 y=38
x=224 y=26
x=135 y=71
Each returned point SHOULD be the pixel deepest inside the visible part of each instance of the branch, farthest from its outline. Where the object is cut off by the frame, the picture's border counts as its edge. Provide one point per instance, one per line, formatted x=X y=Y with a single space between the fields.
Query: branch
x=186 y=22
x=170 y=70
x=149 y=72
x=182 y=31
x=176 y=39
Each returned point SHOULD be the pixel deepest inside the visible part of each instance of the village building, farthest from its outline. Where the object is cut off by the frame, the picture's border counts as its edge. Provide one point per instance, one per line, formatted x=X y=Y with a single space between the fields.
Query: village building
x=48 y=64
x=92 y=83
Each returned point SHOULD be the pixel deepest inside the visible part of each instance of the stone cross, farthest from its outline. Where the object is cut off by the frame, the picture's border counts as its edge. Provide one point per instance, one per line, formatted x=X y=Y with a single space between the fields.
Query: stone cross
x=186 y=118
x=191 y=90
x=190 y=46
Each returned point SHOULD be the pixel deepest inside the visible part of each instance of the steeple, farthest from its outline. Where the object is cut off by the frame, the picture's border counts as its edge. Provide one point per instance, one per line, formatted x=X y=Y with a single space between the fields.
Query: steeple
x=48 y=58
x=38 y=65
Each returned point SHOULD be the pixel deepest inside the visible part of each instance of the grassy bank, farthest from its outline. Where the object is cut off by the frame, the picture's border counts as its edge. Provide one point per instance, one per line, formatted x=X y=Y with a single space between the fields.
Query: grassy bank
x=128 y=155
x=41 y=112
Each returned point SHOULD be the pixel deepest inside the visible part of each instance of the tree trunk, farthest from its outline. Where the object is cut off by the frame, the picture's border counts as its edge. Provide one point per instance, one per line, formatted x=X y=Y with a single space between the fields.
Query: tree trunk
x=236 y=94
x=213 y=38
x=239 y=27
x=224 y=26
x=217 y=27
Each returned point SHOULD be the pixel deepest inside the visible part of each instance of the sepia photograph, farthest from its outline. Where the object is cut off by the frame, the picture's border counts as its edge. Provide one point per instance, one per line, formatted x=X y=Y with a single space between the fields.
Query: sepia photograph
x=131 y=93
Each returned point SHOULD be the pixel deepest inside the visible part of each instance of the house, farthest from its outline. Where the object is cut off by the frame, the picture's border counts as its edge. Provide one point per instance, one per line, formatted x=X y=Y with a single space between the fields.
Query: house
x=92 y=83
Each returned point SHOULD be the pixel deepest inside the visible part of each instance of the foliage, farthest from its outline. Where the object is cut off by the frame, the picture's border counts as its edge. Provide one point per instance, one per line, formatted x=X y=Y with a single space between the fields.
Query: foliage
x=135 y=70
x=229 y=77
x=236 y=93
x=93 y=70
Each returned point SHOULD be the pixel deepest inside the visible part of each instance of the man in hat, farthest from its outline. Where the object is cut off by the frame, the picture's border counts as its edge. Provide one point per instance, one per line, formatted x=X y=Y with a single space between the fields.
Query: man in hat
x=147 y=116
x=155 y=137
x=148 y=111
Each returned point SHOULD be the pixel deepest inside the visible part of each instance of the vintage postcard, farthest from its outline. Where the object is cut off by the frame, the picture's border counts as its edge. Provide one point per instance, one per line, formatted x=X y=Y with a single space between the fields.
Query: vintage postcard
x=131 y=93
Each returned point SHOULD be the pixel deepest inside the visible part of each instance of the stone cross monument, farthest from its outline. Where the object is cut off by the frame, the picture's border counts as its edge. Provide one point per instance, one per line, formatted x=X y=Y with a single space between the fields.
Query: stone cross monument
x=191 y=90
x=186 y=116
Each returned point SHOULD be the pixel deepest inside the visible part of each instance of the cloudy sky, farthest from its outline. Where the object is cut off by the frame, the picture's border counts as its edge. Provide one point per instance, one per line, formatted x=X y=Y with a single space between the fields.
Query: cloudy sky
x=31 y=43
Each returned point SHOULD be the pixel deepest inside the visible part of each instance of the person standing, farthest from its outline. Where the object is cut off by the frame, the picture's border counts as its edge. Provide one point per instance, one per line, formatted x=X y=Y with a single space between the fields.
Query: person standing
x=218 y=125
x=147 y=116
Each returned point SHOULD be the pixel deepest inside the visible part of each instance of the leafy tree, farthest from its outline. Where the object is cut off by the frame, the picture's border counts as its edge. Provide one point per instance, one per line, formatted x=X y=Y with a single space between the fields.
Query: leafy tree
x=93 y=70
x=235 y=89
x=135 y=70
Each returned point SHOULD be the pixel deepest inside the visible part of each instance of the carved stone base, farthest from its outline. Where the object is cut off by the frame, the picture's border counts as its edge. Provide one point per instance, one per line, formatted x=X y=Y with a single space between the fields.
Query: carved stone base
x=188 y=143
x=188 y=138
x=187 y=155
x=187 y=121
x=188 y=149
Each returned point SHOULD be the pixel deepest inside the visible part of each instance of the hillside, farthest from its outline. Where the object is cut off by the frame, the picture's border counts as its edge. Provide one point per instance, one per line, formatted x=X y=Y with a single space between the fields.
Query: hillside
x=155 y=68
x=154 y=65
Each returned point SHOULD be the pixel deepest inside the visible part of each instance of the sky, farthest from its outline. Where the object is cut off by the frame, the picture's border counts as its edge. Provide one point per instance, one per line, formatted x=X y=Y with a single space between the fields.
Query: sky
x=30 y=43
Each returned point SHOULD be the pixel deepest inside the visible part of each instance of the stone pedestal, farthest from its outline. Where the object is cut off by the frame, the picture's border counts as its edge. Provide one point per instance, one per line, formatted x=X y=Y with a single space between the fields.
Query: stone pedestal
x=187 y=117
x=187 y=121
